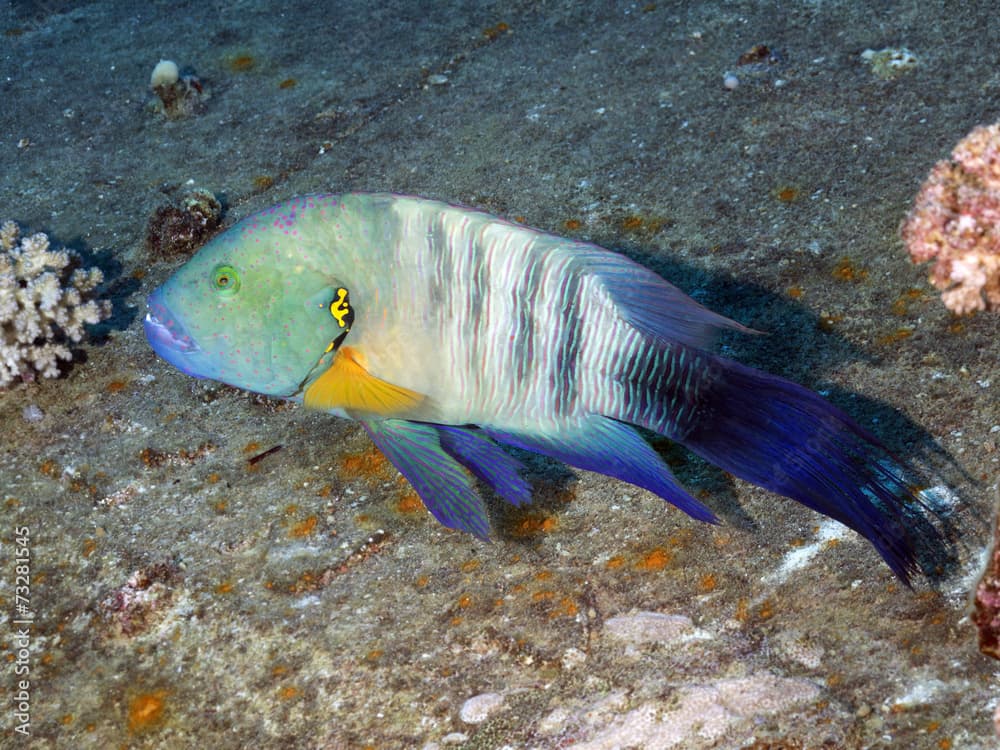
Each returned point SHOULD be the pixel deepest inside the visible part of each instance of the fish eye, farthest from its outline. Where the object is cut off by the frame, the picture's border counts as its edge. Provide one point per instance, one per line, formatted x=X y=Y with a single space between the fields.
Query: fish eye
x=225 y=279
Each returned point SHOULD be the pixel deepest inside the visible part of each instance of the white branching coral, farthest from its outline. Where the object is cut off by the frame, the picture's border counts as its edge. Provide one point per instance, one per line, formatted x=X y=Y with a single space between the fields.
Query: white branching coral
x=44 y=304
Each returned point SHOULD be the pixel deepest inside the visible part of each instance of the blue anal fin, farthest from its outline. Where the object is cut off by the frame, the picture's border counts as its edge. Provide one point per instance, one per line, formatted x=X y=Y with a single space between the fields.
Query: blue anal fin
x=609 y=447
x=487 y=460
x=419 y=453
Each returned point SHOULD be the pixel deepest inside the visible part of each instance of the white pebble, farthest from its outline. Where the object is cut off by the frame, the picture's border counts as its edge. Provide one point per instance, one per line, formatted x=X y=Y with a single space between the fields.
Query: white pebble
x=32 y=413
x=573 y=658
x=479 y=708
x=649 y=627
x=730 y=81
x=165 y=73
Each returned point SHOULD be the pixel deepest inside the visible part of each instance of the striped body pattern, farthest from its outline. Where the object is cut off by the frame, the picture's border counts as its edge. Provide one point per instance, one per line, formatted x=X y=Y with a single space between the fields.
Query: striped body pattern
x=449 y=333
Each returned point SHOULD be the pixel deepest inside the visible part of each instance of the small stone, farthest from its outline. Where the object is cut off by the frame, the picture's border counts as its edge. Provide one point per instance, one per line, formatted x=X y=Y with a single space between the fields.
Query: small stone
x=891 y=62
x=479 y=708
x=554 y=722
x=437 y=79
x=32 y=413
x=573 y=658
x=649 y=627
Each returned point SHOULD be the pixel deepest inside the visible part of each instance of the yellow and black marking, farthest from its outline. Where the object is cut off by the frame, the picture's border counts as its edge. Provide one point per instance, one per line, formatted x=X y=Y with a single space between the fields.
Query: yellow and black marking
x=343 y=313
x=341 y=309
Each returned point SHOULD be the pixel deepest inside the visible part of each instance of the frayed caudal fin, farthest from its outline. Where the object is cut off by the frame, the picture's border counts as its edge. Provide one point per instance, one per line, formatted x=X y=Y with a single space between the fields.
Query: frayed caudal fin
x=789 y=440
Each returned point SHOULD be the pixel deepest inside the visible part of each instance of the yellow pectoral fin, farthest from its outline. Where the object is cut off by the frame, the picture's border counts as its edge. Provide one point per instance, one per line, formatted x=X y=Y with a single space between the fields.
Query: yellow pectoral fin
x=349 y=386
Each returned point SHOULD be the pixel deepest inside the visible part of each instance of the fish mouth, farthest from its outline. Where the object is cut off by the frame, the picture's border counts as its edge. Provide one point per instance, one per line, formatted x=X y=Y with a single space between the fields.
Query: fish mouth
x=168 y=337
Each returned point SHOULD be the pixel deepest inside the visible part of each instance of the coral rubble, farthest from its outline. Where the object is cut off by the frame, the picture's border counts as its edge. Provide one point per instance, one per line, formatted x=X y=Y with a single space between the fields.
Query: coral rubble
x=986 y=600
x=177 y=95
x=44 y=304
x=180 y=230
x=956 y=221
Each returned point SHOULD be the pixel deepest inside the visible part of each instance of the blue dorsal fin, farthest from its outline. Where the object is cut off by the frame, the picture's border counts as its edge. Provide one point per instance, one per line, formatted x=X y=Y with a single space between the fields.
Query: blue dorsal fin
x=443 y=484
x=487 y=460
x=612 y=448
x=653 y=305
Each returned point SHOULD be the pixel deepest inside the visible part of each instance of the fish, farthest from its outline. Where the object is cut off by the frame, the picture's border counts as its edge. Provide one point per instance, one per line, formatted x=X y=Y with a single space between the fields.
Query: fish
x=452 y=335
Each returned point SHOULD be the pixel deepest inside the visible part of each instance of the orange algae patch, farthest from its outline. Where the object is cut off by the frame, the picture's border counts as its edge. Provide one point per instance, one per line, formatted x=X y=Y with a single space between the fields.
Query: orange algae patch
x=363 y=464
x=115 y=386
x=288 y=83
x=288 y=692
x=632 y=223
x=242 y=63
x=900 y=334
x=224 y=588
x=846 y=270
x=615 y=562
x=707 y=583
x=571 y=225
x=409 y=503
x=464 y=601
x=146 y=710
x=565 y=608
x=787 y=193
x=470 y=565
x=493 y=32
x=654 y=560
x=533 y=524
x=742 y=610
x=303 y=528
x=89 y=545
x=795 y=292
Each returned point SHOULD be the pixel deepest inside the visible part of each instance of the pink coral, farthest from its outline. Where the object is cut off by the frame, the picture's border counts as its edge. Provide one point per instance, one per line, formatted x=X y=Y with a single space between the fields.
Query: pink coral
x=956 y=220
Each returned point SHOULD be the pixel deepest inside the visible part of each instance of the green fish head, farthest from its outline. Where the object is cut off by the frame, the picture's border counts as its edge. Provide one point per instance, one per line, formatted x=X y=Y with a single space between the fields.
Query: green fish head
x=252 y=309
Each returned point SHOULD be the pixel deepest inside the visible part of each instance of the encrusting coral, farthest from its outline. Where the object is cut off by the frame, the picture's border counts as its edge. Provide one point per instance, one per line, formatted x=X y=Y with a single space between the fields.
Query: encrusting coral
x=956 y=220
x=44 y=304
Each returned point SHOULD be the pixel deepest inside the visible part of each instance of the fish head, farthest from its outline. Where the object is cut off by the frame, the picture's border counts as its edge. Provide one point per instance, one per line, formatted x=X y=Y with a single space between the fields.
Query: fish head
x=249 y=314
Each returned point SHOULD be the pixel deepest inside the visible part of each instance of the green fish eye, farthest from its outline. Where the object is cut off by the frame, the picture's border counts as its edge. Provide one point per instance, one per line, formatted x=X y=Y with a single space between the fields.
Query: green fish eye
x=225 y=279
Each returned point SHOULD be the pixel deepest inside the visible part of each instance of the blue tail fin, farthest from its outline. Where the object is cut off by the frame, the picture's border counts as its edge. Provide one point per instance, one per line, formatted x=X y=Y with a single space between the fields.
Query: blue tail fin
x=786 y=438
